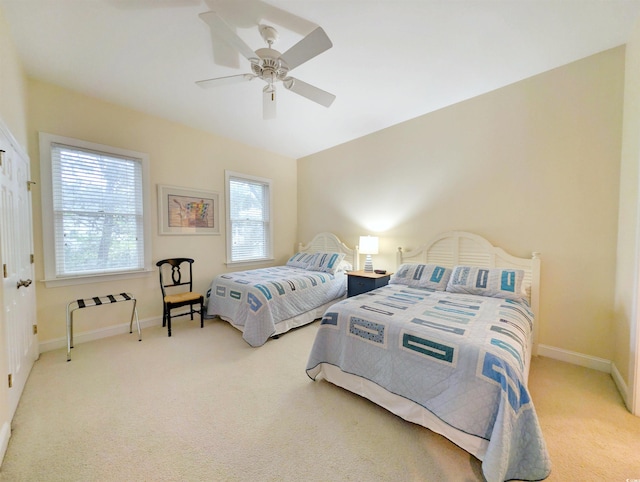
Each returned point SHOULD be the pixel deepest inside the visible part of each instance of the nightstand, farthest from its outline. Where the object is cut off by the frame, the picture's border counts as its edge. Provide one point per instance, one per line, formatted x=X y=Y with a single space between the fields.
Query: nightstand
x=361 y=281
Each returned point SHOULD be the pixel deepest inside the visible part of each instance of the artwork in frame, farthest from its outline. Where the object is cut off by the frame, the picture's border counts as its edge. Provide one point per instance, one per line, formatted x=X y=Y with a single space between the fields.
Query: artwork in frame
x=187 y=211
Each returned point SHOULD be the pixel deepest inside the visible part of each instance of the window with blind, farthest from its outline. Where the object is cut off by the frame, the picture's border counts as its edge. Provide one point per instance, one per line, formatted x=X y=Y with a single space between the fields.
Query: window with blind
x=249 y=236
x=94 y=209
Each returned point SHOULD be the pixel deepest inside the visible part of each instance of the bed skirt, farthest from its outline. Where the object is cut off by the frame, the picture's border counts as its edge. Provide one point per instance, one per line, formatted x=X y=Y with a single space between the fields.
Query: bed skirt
x=299 y=320
x=401 y=407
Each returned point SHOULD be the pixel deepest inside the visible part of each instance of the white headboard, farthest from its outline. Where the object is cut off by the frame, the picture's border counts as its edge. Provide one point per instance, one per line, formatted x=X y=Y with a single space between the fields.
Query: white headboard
x=329 y=242
x=461 y=248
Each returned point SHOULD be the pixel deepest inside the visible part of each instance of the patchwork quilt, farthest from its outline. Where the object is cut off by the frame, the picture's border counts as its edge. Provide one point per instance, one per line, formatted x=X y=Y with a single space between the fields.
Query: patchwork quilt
x=460 y=356
x=256 y=300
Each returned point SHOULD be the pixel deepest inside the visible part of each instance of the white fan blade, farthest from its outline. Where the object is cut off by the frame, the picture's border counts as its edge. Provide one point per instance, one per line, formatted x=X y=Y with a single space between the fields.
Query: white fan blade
x=309 y=91
x=231 y=79
x=220 y=28
x=313 y=44
x=269 y=102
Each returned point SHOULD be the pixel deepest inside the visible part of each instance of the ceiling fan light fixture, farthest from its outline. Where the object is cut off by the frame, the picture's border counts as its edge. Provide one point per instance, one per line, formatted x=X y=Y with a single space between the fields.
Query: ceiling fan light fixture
x=269 y=76
x=270 y=65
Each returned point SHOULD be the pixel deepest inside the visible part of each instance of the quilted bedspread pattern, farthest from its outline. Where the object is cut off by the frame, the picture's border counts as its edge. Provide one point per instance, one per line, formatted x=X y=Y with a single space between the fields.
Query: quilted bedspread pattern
x=255 y=300
x=462 y=357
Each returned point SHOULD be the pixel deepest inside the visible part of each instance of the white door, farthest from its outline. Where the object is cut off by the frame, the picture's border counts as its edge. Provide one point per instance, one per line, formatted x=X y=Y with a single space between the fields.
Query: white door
x=16 y=248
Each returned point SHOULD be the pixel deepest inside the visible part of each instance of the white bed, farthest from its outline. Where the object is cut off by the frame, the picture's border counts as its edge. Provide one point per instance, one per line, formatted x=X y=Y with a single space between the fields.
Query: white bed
x=342 y=355
x=268 y=302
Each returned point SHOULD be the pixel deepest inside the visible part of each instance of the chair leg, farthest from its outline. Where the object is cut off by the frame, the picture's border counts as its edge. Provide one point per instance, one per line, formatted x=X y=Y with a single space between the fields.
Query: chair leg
x=164 y=315
x=201 y=316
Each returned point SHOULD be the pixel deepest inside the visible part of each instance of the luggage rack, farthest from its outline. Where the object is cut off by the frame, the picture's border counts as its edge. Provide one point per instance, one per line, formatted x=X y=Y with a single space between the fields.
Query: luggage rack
x=99 y=301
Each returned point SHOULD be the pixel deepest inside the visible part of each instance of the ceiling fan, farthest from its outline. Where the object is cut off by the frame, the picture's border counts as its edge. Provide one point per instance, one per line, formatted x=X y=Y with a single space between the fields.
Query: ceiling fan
x=270 y=65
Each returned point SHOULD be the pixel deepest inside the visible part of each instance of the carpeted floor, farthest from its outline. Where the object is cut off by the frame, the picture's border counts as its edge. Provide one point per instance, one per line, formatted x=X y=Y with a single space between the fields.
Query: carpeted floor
x=204 y=406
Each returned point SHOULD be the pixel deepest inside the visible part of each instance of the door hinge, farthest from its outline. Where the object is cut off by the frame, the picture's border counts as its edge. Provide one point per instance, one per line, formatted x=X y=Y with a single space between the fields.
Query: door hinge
x=35 y=329
x=29 y=183
x=4 y=270
x=32 y=258
x=10 y=380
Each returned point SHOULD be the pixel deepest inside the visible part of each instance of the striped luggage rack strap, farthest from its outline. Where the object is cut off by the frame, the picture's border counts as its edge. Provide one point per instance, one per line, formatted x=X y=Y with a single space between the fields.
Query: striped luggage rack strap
x=99 y=301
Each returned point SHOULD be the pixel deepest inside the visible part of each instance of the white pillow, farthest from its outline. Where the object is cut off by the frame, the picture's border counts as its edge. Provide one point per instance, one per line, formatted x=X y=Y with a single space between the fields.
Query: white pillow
x=326 y=262
x=300 y=260
x=428 y=276
x=344 y=266
x=494 y=282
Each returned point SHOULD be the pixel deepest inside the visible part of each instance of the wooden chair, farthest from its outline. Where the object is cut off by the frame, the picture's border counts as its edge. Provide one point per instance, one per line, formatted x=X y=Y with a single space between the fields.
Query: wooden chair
x=176 y=282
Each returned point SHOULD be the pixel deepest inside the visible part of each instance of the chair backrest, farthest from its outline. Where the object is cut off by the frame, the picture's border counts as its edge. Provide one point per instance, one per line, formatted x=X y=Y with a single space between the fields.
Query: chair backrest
x=175 y=272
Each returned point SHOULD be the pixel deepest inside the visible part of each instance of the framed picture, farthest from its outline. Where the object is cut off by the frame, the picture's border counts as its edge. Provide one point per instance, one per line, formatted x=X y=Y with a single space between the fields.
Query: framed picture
x=187 y=211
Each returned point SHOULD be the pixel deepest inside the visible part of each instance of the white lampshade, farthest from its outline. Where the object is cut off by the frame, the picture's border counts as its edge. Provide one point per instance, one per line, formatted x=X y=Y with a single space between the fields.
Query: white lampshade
x=368 y=246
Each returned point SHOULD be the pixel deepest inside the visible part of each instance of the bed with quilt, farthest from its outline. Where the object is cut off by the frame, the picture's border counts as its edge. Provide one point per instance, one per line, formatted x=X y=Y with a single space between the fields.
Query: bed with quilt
x=447 y=345
x=267 y=302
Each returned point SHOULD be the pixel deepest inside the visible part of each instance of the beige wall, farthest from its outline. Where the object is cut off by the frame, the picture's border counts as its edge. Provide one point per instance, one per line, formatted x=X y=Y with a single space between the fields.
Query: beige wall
x=627 y=263
x=179 y=156
x=12 y=87
x=533 y=166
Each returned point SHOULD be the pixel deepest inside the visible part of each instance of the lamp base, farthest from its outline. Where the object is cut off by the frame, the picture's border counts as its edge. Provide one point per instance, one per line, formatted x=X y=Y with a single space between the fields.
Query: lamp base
x=368 y=264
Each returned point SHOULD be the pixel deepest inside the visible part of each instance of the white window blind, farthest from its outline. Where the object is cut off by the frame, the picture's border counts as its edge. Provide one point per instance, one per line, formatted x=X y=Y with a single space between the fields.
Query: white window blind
x=98 y=212
x=249 y=206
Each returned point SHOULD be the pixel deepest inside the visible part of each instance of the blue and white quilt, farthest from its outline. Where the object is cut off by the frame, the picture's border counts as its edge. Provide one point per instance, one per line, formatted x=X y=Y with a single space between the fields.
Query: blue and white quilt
x=462 y=357
x=256 y=300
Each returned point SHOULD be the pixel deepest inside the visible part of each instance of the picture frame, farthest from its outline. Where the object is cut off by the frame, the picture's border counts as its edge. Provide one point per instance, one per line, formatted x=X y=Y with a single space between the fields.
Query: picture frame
x=184 y=211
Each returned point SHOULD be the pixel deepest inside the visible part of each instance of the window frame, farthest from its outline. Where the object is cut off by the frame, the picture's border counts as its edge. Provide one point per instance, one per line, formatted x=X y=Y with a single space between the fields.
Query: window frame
x=229 y=175
x=48 y=228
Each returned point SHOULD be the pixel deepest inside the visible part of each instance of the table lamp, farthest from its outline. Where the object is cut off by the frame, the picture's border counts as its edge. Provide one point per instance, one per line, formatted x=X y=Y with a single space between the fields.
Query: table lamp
x=368 y=246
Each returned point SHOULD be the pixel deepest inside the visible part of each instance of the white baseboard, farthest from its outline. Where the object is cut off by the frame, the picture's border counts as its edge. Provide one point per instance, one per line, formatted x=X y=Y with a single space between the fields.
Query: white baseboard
x=588 y=361
x=621 y=385
x=5 y=434
x=97 y=334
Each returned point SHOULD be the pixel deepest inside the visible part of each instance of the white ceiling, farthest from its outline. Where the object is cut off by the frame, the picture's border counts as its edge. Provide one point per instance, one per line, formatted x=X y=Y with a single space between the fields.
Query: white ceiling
x=392 y=60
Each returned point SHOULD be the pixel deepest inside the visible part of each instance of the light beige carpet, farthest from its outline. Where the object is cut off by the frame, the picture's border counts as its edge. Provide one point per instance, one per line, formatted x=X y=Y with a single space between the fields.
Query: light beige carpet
x=203 y=405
